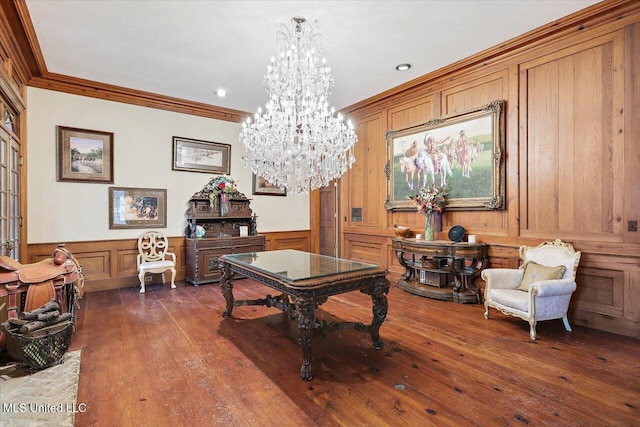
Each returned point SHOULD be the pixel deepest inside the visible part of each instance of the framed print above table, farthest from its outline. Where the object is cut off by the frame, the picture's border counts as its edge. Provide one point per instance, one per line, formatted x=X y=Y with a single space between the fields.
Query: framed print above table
x=193 y=155
x=85 y=155
x=137 y=208
x=263 y=187
x=464 y=151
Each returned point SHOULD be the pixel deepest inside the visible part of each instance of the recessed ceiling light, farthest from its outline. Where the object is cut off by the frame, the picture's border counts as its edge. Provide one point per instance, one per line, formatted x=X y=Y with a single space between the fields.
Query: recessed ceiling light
x=221 y=93
x=403 y=67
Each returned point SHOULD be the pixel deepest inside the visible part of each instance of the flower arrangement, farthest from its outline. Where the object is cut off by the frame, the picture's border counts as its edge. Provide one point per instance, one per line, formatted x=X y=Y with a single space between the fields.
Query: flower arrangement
x=431 y=199
x=220 y=186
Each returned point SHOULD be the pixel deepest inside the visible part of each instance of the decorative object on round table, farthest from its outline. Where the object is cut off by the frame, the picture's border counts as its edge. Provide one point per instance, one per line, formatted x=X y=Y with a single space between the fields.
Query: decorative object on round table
x=457 y=233
x=428 y=226
x=199 y=231
x=401 y=231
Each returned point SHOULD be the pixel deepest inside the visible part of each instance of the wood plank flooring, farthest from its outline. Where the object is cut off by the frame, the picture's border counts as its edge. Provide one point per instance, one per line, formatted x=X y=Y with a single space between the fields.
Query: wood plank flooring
x=169 y=358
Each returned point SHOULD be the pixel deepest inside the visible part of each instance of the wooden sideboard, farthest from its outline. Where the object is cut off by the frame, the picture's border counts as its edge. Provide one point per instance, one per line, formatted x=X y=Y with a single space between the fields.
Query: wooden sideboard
x=214 y=229
x=441 y=269
x=203 y=254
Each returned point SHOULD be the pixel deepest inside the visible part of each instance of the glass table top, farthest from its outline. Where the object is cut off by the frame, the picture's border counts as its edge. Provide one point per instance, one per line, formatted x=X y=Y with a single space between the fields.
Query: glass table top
x=292 y=265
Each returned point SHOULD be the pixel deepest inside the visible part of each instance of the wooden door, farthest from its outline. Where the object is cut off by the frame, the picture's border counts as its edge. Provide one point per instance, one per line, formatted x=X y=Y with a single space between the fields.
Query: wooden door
x=328 y=224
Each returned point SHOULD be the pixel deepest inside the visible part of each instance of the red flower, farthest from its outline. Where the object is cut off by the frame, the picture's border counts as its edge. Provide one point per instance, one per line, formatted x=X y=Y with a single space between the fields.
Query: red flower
x=222 y=185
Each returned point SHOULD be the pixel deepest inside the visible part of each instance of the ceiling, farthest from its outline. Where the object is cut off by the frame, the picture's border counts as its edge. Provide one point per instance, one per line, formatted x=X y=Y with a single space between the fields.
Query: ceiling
x=189 y=49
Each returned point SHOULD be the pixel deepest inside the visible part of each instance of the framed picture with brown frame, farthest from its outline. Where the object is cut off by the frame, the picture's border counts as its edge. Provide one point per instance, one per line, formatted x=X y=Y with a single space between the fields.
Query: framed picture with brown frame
x=85 y=155
x=263 y=187
x=137 y=208
x=464 y=151
x=193 y=155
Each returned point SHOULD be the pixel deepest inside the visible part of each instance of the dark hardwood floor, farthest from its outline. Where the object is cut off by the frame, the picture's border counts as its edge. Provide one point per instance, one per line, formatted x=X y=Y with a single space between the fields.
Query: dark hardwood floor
x=169 y=358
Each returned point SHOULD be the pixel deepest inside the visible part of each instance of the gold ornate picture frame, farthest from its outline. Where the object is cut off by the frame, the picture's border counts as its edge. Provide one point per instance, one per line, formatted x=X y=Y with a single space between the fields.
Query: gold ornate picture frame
x=464 y=151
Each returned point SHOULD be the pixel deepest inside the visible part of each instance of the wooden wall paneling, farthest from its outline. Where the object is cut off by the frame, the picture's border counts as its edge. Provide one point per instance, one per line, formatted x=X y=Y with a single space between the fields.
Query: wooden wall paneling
x=108 y=264
x=476 y=92
x=298 y=240
x=600 y=291
x=461 y=97
x=631 y=132
x=111 y=264
x=364 y=186
x=514 y=175
x=504 y=256
x=400 y=116
x=608 y=294
x=413 y=113
x=562 y=161
x=370 y=249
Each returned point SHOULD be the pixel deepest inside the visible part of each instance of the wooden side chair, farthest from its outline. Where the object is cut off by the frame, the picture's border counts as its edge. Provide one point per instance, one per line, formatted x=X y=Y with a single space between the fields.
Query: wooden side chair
x=154 y=258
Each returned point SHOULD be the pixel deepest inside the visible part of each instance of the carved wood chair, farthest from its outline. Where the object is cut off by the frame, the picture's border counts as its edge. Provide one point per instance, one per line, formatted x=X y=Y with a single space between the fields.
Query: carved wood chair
x=153 y=257
x=540 y=289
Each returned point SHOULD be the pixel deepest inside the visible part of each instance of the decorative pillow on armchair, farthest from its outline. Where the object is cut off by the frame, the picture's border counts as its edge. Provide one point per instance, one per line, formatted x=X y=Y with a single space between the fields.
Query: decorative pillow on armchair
x=534 y=272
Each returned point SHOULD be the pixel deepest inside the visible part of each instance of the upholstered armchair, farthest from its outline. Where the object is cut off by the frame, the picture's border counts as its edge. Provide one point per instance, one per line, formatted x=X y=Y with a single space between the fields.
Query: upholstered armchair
x=540 y=289
x=154 y=258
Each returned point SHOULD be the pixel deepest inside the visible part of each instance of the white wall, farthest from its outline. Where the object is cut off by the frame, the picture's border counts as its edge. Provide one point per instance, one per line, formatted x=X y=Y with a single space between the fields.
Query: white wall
x=68 y=211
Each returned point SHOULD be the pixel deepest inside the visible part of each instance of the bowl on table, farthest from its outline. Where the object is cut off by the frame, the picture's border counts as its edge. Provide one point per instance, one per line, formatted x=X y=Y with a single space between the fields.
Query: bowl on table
x=401 y=231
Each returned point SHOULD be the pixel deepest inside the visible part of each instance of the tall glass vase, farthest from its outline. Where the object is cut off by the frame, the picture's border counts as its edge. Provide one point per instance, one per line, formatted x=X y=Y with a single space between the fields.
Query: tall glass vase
x=224 y=205
x=428 y=226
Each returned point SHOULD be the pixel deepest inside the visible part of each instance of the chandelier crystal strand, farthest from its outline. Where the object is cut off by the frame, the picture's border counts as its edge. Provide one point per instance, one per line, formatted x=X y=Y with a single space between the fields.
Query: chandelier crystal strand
x=298 y=142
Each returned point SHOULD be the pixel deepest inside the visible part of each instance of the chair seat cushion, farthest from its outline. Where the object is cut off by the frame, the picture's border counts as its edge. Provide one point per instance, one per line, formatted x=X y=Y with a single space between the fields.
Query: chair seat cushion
x=513 y=298
x=152 y=265
x=534 y=272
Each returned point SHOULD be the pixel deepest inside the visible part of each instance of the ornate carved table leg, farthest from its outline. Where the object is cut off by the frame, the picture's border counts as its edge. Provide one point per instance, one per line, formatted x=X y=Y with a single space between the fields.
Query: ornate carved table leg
x=408 y=271
x=227 y=288
x=305 y=308
x=380 y=305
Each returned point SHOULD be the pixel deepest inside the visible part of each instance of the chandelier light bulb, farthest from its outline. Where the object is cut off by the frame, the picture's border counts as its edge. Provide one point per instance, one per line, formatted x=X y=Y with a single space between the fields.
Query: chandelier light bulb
x=298 y=142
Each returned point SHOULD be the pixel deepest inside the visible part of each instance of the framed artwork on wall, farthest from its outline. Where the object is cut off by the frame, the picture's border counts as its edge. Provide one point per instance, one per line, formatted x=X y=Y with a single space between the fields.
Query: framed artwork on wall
x=85 y=155
x=263 y=187
x=137 y=208
x=193 y=155
x=463 y=151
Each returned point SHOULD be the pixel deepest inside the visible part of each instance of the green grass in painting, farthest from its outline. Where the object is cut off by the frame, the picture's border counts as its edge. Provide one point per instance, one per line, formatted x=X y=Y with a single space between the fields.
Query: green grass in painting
x=478 y=185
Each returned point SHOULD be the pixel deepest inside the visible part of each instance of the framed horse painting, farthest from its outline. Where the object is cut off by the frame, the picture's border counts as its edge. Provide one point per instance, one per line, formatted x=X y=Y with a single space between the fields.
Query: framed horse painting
x=462 y=151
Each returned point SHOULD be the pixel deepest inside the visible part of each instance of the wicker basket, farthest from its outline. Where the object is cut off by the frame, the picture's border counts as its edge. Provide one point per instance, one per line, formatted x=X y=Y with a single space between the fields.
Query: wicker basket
x=43 y=348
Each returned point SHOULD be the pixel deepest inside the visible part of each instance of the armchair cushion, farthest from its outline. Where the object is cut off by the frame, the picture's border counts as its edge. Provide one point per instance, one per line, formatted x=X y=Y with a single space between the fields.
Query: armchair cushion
x=534 y=272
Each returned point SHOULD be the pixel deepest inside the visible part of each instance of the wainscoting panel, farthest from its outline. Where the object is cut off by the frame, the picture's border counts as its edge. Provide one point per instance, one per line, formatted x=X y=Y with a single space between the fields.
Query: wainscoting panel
x=299 y=240
x=366 y=250
x=111 y=264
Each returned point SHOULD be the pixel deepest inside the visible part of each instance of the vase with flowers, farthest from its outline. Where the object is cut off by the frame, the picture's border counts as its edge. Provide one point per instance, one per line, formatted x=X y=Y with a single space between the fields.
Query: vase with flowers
x=220 y=188
x=430 y=200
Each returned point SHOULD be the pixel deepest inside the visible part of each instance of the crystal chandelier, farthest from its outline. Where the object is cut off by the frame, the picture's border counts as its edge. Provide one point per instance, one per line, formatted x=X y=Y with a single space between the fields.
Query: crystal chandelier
x=298 y=142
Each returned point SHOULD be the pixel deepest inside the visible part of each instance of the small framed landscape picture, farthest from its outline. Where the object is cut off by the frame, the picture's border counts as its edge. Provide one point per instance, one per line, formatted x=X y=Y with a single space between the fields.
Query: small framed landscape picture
x=137 y=208
x=263 y=187
x=85 y=155
x=193 y=155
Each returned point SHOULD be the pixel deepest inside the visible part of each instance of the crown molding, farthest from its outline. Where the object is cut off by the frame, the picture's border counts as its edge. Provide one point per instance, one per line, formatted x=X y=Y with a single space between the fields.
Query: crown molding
x=32 y=60
x=76 y=86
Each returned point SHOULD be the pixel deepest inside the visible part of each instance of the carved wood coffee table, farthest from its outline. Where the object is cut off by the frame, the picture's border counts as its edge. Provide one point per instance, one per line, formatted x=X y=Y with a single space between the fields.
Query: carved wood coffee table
x=306 y=281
